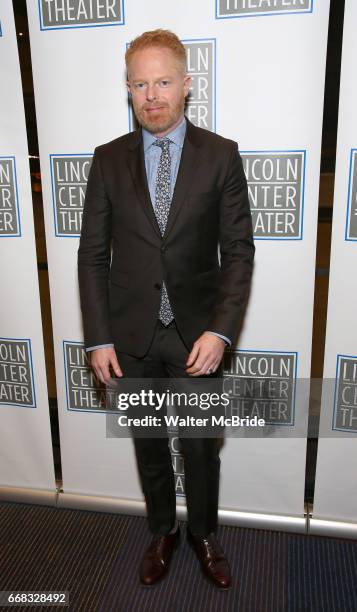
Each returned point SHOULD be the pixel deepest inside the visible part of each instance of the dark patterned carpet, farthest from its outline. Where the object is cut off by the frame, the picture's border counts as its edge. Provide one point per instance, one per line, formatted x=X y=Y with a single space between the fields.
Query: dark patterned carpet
x=95 y=556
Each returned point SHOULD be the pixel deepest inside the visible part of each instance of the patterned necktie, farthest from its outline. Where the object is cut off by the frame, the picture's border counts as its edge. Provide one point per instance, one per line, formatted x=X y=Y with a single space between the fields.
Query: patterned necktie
x=162 y=208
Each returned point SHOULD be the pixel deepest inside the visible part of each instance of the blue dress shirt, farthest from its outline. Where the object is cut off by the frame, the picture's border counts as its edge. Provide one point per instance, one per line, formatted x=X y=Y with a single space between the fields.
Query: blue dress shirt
x=152 y=158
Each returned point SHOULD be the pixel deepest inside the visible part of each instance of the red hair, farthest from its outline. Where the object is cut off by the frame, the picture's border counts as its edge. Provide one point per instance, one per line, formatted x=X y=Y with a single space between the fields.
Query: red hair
x=157 y=38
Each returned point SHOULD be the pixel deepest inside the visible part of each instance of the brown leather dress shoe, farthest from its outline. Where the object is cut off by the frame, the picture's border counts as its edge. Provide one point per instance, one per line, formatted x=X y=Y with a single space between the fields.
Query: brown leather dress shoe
x=156 y=560
x=211 y=556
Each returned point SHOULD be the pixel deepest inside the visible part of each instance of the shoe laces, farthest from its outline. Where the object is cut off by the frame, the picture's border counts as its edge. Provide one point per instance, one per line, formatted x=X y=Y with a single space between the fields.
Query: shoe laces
x=212 y=547
x=157 y=543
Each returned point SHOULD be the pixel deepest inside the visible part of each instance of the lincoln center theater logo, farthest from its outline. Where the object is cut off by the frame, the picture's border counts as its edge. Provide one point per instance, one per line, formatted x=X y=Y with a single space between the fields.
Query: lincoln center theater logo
x=351 y=227
x=261 y=384
x=9 y=209
x=250 y=8
x=56 y=14
x=276 y=192
x=201 y=66
x=177 y=460
x=69 y=175
x=16 y=374
x=345 y=408
x=83 y=390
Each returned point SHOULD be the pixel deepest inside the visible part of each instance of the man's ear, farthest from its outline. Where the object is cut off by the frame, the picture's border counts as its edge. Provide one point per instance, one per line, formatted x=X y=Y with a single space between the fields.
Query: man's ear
x=128 y=88
x=187 y=84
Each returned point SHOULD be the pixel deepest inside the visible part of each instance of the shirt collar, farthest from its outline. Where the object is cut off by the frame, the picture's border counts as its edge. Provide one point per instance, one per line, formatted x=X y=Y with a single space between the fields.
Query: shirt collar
x=177 y=135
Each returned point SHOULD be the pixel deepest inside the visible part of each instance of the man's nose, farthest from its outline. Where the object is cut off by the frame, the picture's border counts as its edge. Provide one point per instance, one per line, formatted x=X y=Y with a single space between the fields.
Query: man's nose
x=151 y=92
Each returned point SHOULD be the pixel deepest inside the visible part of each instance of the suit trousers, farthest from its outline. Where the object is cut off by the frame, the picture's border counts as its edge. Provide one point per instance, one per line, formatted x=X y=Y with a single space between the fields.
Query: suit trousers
x=166 y=358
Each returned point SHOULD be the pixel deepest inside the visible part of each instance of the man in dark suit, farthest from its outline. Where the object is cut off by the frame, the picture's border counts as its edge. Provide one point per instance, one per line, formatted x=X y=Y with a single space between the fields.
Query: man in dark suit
x=163 y=198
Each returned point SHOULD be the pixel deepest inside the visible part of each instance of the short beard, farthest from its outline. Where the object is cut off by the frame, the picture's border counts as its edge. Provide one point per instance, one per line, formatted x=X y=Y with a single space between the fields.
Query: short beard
x=158 y=125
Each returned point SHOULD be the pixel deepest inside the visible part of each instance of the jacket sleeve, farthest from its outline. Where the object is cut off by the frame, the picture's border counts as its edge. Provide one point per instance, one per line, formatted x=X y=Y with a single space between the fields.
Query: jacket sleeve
x=236 y=251
x=94 y=256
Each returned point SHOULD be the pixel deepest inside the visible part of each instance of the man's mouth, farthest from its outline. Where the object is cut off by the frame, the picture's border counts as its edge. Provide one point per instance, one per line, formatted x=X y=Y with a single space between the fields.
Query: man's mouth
x=154 y=108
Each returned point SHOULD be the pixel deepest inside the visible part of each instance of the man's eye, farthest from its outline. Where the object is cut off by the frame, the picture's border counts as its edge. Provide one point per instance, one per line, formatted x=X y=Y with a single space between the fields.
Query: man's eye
x=139 y=85
x=164 y=83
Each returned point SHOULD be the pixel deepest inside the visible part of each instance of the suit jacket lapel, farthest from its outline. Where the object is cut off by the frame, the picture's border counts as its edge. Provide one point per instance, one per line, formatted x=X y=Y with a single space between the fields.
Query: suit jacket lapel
x=136 y=163
x=187 y=168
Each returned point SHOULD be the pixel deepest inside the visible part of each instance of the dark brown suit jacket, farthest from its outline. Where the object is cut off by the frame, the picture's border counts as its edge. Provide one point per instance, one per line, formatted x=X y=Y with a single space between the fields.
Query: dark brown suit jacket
x=120 y=295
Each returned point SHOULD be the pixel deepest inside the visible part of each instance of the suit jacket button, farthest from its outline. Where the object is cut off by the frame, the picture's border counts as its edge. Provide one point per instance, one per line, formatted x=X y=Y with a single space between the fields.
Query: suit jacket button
x=163 y=248
x=157 y=285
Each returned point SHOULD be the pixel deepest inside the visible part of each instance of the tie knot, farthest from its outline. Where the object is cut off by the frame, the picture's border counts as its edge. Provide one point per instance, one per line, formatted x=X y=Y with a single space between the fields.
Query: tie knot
x=163 y=143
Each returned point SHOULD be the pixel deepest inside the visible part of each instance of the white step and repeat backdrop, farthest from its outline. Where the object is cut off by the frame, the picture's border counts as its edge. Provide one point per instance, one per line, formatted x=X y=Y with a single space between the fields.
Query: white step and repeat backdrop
x=26 y=458
x=336 y=474
x=258 y=71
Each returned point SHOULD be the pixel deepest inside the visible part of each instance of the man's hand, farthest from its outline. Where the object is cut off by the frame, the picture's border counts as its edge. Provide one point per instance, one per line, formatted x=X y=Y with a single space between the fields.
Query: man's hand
x=100 y=361
x=206 y=355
